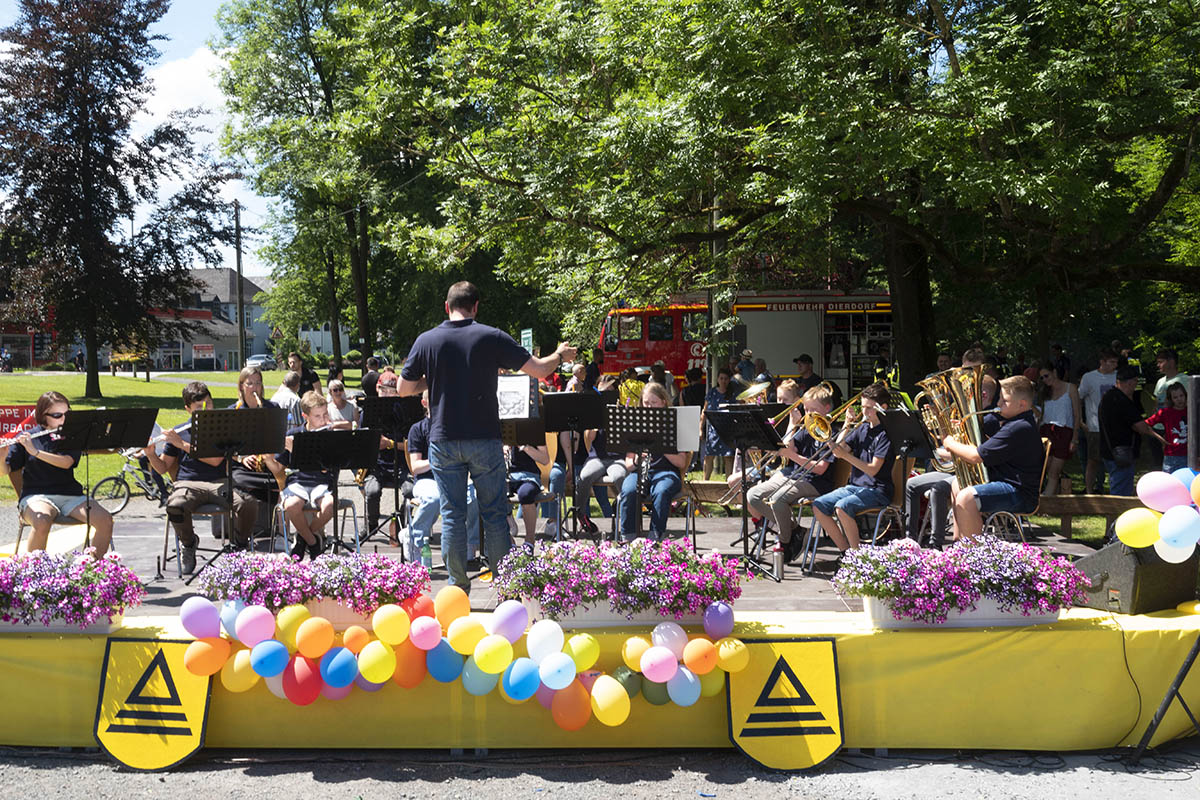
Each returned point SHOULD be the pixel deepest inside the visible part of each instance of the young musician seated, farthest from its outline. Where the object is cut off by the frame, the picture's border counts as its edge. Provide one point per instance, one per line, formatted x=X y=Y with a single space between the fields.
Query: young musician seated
x=868 y=450
x=256 y=475
x=48 y=488
x=308 y=489
x=666 y=481
x=425 y=489
x=802 y=475
x=197 y=481
x=1013 y=456
x=599 y=465
x=390 y=471
x=525 y=480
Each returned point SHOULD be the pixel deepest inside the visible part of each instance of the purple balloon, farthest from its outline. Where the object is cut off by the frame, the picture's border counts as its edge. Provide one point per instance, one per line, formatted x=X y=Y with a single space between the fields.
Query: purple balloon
x=544 y=695
x=200 y=617
x=509 y=620
x=367 y=686
x=336 y=692
x=718 y=620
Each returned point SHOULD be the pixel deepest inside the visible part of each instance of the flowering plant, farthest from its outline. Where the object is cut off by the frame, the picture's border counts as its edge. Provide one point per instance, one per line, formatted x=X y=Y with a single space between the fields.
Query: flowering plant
x=77 y=589
x=360 y=582
x=667 y=577
x=928 y=584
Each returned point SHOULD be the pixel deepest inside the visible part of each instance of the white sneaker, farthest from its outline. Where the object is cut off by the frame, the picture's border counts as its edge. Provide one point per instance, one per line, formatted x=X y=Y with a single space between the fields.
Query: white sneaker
x=551 y=528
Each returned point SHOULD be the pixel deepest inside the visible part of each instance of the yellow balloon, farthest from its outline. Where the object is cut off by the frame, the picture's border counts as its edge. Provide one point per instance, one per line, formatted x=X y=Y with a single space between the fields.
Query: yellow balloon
x=493 y=653
x=377 y=662
x=464 y=633
x=450 y=604
x=610 y=701
x=1138 y=527
x=390 y=623
x=237 y=675
x=712 y=683
x=314 y=637
x=287 y=622
x=732 y=654
x=584 y=650
x=632 y=650
x=1189 y=607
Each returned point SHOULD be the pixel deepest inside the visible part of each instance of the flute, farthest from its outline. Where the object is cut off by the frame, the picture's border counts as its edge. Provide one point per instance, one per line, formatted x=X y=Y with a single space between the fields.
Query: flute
x=15 y=439
x=162 y=437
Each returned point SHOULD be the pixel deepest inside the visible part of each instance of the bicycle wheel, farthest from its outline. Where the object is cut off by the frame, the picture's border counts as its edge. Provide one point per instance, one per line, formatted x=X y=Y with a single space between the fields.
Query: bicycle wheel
x=112 y=494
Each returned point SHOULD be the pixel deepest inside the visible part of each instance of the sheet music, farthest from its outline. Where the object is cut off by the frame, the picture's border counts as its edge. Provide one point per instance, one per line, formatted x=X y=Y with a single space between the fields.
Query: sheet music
x=687 y=428
x=516 y=396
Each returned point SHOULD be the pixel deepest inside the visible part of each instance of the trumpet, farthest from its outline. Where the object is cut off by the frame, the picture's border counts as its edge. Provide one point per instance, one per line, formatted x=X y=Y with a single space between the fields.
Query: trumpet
x=820 y=426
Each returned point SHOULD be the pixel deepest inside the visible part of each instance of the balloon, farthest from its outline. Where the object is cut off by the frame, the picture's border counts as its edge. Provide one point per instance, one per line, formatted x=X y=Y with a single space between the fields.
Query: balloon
x=584 y=650
x=1185 y=475
x=659 y=664
x=571 y=706
x=1180 y=526
x=200 y=618
x=302 y=680
x=684 y=687
x=630 y=680
x=355 y=638
x=588 y=679
x=339 y=668
x=314 y=637
x=521 y=679
x=509 y=620
x=557 y=670
x=1189 y=607
x=544 y=638
x=670 y=636
x=464 y=633
x=368 y=686
x=288 y=621
x=275 y=683
x=476 y=681
x=493 y=653
x=505 y=696
x=238 y=675
x=377 y=662
x=632 y=650
x=1172 y=554
x=610 y=701
x=410 y=665
x=418 y=606
x=1195 y=492
x=1137 y=527
x=1160 y=491
x=700 y=656
x=390 y=623
x=255 y=624
x=229 y=614
x=732 y=655
x=718 y=620
x=269 y=658
x=544 y=695
x=443 y=663
x=712 y=683
x=655 y=693
x=425 y=633
x=206 y=656
x=336 y=692
x=450 y=604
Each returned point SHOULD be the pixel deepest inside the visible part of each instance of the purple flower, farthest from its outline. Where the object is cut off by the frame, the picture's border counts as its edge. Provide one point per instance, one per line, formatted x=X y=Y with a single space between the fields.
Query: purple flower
x=75 y=588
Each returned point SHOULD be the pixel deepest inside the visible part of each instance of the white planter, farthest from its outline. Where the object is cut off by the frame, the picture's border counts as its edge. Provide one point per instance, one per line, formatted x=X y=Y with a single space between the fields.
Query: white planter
x=340 y=616
x=987 y=614
x=603 y=617
x=101 y=627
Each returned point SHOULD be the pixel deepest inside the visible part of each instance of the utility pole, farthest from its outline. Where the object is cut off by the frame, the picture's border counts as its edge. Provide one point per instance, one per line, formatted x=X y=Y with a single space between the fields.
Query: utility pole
x=241 y=306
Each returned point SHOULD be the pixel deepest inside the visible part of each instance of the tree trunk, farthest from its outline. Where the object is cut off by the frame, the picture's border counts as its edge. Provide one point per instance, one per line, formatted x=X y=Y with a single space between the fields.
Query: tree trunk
x=92 y=386
x=334 y=328
x=357 y=229
x=1041 y=345
x=913 y=335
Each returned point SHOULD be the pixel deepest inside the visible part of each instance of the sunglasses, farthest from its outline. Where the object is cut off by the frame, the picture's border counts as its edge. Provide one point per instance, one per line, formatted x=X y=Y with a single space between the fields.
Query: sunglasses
x=337 y=391
x=56 y=414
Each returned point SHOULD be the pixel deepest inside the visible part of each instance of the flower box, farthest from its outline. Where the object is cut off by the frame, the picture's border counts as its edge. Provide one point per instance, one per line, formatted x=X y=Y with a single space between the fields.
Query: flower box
x=338 y=615
x=42 y=592
x=602 y=616
x=986 y=614
x=101 y=627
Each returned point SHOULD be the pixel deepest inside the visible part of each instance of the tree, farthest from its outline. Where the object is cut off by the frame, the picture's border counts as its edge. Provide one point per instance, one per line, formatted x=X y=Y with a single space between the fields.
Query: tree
x=85 y=236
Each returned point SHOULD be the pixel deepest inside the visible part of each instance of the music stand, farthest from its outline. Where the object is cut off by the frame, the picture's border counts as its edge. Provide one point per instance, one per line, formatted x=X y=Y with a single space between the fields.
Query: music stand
x=743 y=430
x=907 y=432
x=228 y=432
x=573 y=412
x=392 y=417
x=645 y=431
x=333 y=451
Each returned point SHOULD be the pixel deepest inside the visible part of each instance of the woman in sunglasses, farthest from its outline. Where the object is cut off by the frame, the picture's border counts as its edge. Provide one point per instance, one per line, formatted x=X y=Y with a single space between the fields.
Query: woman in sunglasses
x=1061 y=415
x=48 y=486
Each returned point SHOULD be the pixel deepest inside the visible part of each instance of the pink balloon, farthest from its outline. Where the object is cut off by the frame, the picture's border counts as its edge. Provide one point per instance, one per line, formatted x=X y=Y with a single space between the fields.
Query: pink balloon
x=659 y=664
x=254 y=624
x=588 y=679
x=544 y=695
x=336 y=692
x=426 y=632
x=1160 y=491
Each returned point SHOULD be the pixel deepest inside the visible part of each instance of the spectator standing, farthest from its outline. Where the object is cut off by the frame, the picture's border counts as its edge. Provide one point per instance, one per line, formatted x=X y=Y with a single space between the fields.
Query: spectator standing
x=1120 y=422
x=592 y=375
x=370 y=380
x=693 y=392
x=1092 y=387
x=713 y=446
x=1173 y=419
x=805 y=377
x=1167 y=361
x=745 y=367
x=1060 y=359
x=1061 y=416
x=309 y=380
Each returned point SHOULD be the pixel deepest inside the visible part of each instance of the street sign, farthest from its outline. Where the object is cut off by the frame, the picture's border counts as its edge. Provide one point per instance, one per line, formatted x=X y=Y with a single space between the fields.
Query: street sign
x=527 y=339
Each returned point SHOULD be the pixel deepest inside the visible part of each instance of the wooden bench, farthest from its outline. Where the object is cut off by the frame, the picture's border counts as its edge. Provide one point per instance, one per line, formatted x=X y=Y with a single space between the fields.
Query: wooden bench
x=1068 y=506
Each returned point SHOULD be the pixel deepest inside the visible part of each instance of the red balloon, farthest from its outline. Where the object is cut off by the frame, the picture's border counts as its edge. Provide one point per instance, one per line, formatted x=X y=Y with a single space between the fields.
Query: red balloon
x=302 y=680
x=419 y=606
x=571 y=707
x=410 y=665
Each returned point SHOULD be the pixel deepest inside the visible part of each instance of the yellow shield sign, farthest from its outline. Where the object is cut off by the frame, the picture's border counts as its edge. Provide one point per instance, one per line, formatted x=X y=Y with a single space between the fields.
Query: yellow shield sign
x=785 y=708
x=152 y=711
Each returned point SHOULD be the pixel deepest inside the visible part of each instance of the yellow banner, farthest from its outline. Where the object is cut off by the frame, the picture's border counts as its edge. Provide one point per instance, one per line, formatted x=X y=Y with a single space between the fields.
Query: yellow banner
x=152 y=711
x=785 y=708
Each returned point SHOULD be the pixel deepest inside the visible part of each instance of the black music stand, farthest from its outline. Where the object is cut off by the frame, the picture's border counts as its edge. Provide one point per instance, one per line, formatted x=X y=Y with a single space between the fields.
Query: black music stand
x=645 y=431
x=228 y=432
x=573 y=412
x=392 y=417
x=333 y=451
x=743 y=430
x=907 y=432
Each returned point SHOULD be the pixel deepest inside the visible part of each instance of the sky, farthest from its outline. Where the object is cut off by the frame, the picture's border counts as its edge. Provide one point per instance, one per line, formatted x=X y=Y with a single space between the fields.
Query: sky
x=183 y=78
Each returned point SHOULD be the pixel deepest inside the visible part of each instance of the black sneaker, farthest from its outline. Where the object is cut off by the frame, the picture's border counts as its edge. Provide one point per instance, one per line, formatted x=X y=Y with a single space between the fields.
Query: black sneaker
x=299 y=547
x=187 y=559
x=315 y=549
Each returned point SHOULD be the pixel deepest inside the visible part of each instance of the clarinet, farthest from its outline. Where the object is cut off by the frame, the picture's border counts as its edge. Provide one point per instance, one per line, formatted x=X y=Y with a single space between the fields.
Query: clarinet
x=644 y=474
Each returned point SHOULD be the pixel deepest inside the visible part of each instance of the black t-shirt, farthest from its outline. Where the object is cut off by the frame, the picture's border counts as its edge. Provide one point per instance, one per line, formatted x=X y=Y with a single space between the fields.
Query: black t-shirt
x=193 y=469
x=692 y=395
x=40 y=477
x=1013 y=454
x=869 y=443
x=307 y=478
x=807 y=446
x=809 y=382
x=522 y=461
x=418 y=438
x=308 y=380
x=1118 y=414
x=591 y=375
x=369 y=384
x=459 y=359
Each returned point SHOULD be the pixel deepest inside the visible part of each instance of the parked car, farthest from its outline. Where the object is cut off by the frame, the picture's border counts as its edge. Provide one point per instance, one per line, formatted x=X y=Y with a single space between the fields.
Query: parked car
x=262 y=361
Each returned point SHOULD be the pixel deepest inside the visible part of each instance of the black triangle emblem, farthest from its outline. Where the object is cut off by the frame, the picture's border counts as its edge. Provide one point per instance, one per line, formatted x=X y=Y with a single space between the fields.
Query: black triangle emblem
x=136 y=698
x=782 y=670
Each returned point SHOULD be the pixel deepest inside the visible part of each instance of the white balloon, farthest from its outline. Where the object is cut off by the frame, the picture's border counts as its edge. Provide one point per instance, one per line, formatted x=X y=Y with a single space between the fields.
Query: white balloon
x=544 y=638
x=1173 y=554
x=670 y=636
x=557 y=671
x=275 y=684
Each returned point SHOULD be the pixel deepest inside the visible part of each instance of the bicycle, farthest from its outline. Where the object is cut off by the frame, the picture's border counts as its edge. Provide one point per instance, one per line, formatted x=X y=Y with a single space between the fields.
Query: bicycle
x=113 y=492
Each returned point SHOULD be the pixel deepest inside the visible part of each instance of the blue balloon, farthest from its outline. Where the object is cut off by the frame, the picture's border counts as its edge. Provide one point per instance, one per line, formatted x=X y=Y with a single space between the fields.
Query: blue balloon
x=1185 y=475
x=443 y=663
x=269 y=658
x=229 y=613
x=339 y=667
x=475 y=680
x=521 y=679
x=684 y=687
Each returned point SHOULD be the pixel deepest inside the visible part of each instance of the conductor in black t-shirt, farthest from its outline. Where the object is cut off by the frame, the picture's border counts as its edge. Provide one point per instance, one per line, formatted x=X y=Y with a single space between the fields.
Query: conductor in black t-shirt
x=458 y=362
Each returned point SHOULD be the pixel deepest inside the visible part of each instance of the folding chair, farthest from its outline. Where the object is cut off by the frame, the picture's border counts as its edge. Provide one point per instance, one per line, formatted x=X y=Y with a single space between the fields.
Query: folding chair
x=209 y=510
x=59 y=521
x=808 y=556
x=345 y=505
x=890 y=512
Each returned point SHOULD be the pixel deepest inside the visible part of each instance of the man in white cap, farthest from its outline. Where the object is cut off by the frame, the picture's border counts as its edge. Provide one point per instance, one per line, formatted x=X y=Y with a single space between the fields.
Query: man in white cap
x=746 y=366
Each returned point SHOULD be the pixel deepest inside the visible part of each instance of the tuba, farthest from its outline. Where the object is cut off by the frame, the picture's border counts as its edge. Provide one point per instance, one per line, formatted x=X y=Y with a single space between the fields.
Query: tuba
x=955 y=400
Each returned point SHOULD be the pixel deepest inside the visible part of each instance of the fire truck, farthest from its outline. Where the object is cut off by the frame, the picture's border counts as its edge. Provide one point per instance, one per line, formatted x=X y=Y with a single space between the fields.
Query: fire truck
x=844 y=334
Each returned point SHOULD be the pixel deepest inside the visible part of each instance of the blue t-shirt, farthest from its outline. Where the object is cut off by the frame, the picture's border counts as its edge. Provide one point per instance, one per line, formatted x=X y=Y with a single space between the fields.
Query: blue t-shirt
x=193 y=469
x=41 y=477
x=806 y=445
x=459 y=359
x=869 y=443
x=1014 y=455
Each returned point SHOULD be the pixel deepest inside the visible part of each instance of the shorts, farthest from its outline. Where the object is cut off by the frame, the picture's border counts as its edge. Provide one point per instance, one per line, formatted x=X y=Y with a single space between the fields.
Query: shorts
x=851 y=499
x=1001 y=496
x=1060 y=440
x=64 y=504
x=311 y=495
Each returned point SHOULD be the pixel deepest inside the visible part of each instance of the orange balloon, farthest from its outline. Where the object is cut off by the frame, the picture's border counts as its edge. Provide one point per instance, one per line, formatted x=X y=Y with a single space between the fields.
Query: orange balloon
x=700 y=656
x=571 y=707
x=450 y=604
x=355 y=638
x=418 y=606
x=1195 y=491
x=314 y=637
x=206 y=656
x=410 y=665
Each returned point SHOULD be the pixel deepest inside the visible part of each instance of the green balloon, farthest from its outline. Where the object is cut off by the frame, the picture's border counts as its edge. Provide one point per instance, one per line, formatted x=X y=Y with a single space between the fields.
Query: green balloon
x=655 y=693
x=631 y=681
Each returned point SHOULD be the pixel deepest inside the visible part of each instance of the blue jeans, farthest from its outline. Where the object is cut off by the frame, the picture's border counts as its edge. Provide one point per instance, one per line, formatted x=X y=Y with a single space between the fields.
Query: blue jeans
x=556 y=484
x=1120 y=479
x=851 y=499
x=429 y=505
x=665 y=486
x=483 y=460
x=1172 y=463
